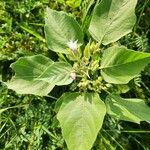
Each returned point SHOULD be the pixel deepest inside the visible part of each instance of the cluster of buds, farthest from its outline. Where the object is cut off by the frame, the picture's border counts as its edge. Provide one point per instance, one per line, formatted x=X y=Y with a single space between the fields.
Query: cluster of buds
x=93 y=85
x=98 y=85
x=86 y=66
x=84 y=84
x=90 y=49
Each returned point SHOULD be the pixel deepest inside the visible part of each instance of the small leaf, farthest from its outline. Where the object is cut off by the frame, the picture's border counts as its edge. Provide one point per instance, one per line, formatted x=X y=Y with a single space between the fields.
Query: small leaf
x=87 y=52
x=73 y=3
x=119 y=65
x=60 y=29
x=34 y=33
x=112 y=19
x=134 y=110
x=38 y=75
x=80 y=117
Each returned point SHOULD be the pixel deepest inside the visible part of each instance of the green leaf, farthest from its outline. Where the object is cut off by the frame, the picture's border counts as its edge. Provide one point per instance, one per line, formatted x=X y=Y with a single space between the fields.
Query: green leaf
x=73 y=3
x=119 y=65
x=38 y=75
x=112 y=19
x=80 y=117
x=60 y=29
x=134 y=110
x=34 y=33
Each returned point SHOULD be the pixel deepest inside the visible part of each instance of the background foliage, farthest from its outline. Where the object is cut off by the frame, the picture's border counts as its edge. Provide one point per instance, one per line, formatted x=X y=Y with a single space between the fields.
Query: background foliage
x=28 y=122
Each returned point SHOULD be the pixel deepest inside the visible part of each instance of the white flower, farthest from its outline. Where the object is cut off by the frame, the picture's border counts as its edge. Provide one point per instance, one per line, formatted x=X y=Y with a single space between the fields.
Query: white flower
x=72 y=45
x=73 y=75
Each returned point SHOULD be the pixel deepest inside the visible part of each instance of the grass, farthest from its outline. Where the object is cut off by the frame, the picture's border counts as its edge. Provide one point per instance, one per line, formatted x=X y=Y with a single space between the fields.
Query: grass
x=28 y=122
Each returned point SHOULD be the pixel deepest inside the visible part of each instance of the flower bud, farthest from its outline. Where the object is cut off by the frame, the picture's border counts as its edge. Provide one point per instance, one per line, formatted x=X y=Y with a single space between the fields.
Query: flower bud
x=73 y=75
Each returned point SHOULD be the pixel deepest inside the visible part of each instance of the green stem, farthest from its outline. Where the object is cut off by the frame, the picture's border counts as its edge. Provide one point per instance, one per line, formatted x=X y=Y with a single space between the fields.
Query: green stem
x=114 y=140
x=130 y=131
x=145 y=3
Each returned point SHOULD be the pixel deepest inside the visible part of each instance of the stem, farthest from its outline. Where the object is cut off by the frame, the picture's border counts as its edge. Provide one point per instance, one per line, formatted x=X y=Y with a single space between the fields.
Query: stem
x=146 y=87
x=130 y=131
x=114 y=140
x=138 y=21
x=146 y=2
x=51 y=97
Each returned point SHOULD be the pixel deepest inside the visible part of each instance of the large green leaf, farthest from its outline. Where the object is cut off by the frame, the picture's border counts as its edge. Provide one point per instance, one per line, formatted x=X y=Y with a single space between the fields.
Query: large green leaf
x=38 y=75
x=119 y=65
x=81 y=117
x=112 y=19
x=134 y=110
x=60 y=29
